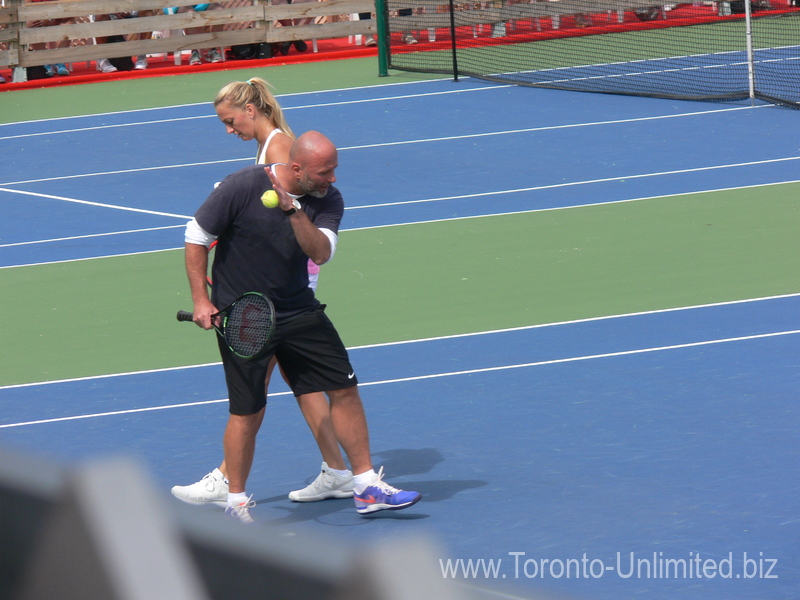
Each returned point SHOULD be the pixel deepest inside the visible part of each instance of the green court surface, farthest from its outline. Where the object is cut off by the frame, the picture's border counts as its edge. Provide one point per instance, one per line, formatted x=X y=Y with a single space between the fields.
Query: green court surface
x=115 y=315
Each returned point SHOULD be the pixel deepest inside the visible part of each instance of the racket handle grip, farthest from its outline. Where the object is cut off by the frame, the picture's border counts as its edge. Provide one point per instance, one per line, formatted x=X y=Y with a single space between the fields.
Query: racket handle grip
x=185 y=316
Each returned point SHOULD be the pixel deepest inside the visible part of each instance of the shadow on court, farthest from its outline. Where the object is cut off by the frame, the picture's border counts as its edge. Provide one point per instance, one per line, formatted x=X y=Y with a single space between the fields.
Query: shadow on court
x=396 y=463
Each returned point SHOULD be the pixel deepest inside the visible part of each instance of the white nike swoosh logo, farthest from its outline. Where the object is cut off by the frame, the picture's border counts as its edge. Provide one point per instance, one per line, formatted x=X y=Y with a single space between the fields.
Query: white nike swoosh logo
x=351 y=375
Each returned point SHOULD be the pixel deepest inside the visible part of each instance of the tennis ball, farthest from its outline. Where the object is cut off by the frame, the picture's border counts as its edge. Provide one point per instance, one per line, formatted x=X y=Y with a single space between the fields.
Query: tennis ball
x=269 y=199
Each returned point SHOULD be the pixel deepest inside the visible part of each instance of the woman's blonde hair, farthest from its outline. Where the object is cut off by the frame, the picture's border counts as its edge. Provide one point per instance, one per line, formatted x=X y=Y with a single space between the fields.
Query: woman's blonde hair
x=257 y=92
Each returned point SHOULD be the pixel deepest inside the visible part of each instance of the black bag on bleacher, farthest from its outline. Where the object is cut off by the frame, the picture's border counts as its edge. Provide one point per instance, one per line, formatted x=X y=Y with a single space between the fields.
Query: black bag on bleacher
x=244 y=52
x=37 y=72
x=251 y=51
x=648 y=14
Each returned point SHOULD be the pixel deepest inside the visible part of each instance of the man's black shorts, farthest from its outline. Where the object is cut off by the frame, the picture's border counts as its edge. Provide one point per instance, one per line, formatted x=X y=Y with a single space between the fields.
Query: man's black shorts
x=308 y=349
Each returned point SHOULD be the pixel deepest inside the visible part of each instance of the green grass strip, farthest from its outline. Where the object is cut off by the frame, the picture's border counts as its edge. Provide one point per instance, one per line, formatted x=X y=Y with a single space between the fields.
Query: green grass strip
x=387 y=284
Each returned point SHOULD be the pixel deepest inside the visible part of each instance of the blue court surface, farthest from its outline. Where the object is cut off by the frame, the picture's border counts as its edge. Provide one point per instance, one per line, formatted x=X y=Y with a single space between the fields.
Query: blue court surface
x=646 y=455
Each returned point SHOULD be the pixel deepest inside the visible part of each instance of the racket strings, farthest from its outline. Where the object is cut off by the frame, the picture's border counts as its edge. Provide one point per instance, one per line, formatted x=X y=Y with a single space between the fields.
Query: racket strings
x=249 y=325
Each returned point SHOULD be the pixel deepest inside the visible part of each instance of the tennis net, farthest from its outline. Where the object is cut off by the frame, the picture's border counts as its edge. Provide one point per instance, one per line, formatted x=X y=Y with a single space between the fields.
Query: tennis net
x=701 y=51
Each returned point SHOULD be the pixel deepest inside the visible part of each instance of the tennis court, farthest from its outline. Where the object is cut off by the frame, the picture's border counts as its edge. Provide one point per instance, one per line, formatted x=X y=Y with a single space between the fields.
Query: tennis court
x=575 y=317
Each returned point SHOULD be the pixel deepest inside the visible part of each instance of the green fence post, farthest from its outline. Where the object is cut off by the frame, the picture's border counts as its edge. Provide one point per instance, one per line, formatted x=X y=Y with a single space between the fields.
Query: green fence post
x=381 y=13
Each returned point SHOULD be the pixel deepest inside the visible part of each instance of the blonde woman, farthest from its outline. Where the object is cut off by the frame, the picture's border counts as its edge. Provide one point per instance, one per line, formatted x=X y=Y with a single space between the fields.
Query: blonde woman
x=249 y=110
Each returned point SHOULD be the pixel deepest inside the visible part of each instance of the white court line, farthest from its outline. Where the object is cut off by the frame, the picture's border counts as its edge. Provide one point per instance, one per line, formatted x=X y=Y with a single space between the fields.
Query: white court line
x=96 y=204
x=455 y=336
x=89 y=236
x=443 y=337
x=439 y=375
x=588 y=357
x=214 y=116
x=406 y=142
x=427 y=200
x=123 y=171
x=285 y=109
x=193 y=104
x=409 y=142
x=104 y=114
x=644 y=313
x=384 y=98
x=71 y=260
x=99 y=127
x=490 y=193
x=443 y=220
x=546 y=209
x=551 y=128
x=118 y=412
x=603 y=180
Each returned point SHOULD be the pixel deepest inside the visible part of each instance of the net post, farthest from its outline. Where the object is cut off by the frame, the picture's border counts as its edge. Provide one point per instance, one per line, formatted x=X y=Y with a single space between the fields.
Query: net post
x=751 y=75
x=381 y=15
x=453 y=38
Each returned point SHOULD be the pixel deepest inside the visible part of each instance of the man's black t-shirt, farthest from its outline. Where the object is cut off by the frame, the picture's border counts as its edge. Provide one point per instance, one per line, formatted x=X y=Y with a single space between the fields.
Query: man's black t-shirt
x=256 y=247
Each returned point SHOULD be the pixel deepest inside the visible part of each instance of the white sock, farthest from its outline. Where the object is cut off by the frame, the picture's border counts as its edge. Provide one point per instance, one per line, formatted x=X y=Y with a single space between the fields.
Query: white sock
x=340 y=472
x=237 y=499
x=218 y=474
x=363 y=480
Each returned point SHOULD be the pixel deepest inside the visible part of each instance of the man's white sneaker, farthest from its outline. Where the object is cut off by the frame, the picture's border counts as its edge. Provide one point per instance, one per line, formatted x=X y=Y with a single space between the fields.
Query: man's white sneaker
x=213 y=489
x=214 y=56
x=326 y=485
x=241 y=512
x=104 y=66
x=141 y=63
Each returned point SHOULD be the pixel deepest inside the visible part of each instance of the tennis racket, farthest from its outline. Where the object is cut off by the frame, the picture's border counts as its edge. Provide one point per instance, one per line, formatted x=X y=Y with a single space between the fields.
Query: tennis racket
x=246 y=325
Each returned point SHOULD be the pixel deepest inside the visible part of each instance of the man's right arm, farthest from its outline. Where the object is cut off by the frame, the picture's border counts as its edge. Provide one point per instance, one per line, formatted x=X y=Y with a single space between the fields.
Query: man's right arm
x=196 y=269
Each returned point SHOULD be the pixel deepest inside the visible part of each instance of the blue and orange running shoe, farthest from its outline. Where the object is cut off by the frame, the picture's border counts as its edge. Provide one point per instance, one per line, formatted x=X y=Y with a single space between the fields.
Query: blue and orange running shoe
x=381 y=496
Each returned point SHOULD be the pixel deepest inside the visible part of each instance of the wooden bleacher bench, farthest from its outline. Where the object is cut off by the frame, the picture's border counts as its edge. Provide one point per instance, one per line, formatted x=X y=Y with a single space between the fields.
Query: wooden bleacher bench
x=253 y=21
